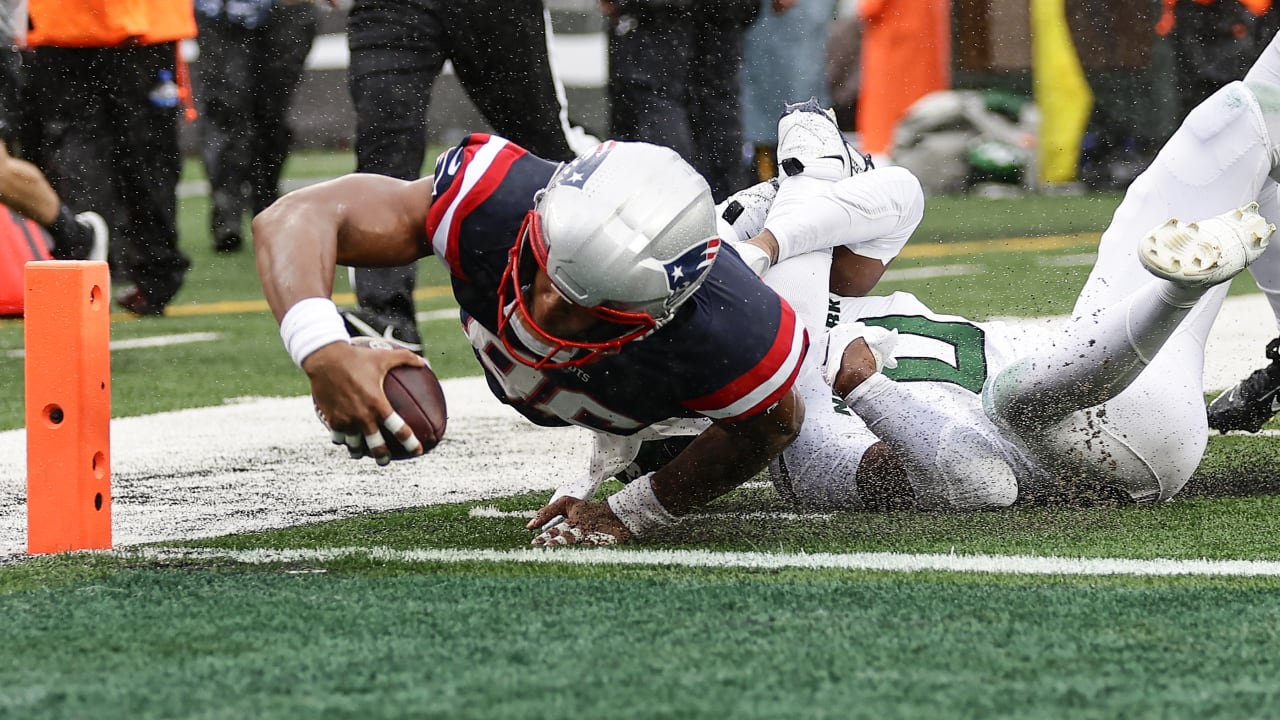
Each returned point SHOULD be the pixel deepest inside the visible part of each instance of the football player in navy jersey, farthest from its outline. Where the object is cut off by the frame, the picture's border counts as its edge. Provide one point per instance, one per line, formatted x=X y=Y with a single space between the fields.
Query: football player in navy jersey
x=596 y=293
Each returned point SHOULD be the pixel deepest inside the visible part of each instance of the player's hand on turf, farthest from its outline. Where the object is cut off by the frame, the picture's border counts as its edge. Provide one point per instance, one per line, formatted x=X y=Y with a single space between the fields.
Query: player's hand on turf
x=346 y=384
x=582 y=523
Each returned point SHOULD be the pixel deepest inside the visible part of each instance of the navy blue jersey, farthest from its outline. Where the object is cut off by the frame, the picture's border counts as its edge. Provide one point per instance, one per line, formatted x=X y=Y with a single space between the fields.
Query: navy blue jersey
x=733 y=349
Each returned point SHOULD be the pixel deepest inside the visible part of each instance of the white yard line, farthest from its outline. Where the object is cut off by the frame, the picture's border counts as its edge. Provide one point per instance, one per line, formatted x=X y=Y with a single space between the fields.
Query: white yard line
x=893 y=562
x=429 y=315
x=932 y=271
x=1079 y=260
x=147 y=342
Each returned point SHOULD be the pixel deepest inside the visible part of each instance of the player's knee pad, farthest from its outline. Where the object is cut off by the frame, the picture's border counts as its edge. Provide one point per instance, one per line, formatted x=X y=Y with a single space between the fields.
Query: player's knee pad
x=1014 y=401
x=1223 y=150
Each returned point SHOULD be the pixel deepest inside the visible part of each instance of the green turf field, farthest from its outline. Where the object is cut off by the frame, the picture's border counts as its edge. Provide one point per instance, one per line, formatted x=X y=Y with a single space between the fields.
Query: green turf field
x=745 y=610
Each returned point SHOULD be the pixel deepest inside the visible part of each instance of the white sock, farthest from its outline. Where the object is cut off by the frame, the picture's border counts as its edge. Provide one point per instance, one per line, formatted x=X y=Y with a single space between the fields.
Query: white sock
x=1093 y=359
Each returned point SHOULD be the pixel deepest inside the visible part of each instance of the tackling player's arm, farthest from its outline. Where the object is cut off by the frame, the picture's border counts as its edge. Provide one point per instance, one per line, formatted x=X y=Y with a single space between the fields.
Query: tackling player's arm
x=357 y=220
x=882 y=479
x=854 y=275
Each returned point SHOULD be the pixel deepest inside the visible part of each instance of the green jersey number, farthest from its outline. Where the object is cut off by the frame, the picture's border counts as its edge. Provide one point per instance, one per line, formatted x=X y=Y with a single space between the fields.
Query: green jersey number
x=969 y=370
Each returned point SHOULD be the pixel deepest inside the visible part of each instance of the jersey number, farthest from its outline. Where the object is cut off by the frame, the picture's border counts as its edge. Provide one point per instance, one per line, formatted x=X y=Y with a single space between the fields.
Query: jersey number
x=531 y=388
x=969 y=370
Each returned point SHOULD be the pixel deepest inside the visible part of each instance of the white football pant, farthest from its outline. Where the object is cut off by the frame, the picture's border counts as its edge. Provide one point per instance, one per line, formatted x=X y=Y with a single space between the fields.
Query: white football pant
x=1136 y=342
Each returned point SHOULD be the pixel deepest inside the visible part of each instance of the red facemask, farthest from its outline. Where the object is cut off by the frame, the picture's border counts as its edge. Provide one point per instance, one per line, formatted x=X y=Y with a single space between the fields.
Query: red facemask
x=630 y=325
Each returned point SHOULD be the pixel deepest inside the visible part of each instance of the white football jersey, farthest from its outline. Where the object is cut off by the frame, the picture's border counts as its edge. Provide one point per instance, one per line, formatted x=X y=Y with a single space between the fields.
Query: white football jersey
x=943 y=362
x=1147 y=439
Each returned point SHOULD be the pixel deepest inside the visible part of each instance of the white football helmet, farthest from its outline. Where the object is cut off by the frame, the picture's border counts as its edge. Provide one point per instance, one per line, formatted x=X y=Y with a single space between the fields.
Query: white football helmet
x=627 y=231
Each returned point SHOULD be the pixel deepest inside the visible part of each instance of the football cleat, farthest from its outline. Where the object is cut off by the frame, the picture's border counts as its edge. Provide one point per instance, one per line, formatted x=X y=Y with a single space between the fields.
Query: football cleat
x=1252 y=402
x=1207 y=252
x=99 y=233
x=810 y=142
x=744 y=211
x=398 y=333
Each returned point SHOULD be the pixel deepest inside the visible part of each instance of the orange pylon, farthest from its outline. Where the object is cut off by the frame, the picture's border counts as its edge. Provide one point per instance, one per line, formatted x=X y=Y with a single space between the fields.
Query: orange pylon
x=68 y=405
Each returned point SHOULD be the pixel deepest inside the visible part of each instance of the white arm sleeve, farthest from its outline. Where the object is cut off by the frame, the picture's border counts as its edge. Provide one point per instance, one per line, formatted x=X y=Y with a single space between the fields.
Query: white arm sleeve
x=872 y=213
x=951 y=455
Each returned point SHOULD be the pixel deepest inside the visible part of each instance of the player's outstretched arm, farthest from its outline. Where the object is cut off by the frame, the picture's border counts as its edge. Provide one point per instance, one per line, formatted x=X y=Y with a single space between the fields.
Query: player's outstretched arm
x=720 y=459
x=358 y=220
x=726 y=455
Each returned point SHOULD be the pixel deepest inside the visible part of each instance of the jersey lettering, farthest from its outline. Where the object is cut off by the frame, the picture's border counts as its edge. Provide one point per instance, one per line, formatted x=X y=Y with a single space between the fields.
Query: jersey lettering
x=840 y=406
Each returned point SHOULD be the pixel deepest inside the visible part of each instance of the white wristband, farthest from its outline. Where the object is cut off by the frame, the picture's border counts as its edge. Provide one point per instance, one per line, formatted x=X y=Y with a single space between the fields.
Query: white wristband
x=638 y=508
x=309 y=325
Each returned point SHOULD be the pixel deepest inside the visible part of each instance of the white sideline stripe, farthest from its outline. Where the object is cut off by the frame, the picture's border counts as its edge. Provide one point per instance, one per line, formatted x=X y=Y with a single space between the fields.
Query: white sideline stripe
x=489 y=511
x=1080 y=260
x=428 y=315
x=892 y=562
x=934 y=271
x=147 y=342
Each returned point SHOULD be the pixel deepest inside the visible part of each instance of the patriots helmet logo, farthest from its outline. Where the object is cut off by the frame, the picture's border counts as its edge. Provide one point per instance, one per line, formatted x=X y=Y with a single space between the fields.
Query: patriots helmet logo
x=576 y=172
x=691 y=265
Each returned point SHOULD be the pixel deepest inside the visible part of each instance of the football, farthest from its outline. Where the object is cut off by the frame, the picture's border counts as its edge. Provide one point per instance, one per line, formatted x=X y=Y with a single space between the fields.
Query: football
x=415 y=393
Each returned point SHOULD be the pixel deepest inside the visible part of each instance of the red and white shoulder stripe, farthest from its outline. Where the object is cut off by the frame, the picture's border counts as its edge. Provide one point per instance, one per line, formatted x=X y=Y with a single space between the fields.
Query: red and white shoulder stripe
x=763 y=385
x=483 y=163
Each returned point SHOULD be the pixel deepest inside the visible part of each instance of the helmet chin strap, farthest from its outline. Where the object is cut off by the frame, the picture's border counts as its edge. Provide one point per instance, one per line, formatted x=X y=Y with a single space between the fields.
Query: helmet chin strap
x=542 y=352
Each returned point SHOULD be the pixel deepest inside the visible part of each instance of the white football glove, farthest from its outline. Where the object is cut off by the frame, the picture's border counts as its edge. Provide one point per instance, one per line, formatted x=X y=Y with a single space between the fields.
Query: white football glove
x=880 y=341
x=741 y=216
